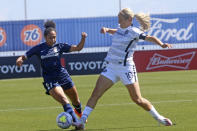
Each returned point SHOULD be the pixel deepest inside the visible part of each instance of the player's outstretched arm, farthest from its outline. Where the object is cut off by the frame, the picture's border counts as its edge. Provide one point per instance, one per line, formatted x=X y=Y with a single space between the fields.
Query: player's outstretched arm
x=108 y=30
x=20 y=60
x=157 y=41
x=81 y=43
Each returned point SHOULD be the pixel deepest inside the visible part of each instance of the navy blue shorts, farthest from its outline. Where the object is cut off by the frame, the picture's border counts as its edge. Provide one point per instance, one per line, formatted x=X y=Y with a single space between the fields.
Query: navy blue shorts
x=64 y=82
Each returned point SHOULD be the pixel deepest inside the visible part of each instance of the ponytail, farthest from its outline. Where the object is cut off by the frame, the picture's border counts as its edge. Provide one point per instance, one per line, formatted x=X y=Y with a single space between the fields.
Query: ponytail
x=49 y=26
x=142 y=18
x=144 y=21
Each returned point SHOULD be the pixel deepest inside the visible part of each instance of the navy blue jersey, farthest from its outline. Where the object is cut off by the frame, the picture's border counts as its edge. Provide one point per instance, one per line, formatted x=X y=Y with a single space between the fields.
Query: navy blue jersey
x=50 y=58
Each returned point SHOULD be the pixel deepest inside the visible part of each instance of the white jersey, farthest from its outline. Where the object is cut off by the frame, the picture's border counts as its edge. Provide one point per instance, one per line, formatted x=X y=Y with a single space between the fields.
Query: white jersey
x=123 y=45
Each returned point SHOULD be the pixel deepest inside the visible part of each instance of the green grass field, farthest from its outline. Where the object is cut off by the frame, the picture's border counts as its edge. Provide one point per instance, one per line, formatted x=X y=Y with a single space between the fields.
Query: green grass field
x=25 y=107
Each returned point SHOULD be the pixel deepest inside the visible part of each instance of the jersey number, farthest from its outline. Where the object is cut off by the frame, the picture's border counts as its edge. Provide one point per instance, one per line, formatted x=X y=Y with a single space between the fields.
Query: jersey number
x=129 y=75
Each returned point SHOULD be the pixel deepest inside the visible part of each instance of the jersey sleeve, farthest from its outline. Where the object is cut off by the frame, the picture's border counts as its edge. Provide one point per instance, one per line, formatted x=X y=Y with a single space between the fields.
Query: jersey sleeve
x=33 y=51
x=142 y=36
x=64 y=47
x=139 y=34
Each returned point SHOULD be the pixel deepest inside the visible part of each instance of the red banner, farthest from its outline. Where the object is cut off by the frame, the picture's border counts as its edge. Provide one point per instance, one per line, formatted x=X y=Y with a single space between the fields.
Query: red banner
x=166 y=60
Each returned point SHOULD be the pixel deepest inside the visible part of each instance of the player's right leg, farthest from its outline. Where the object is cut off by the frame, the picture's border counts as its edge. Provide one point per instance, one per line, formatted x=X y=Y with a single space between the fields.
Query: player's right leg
x=102 y=85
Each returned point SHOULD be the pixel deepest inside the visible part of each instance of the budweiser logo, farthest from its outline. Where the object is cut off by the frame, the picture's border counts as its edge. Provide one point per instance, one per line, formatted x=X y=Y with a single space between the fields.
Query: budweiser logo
x=180 y=61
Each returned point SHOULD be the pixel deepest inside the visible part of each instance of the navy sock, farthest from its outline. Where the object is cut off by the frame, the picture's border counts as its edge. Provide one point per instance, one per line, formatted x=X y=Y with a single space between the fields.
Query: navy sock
x=68 y=108
x=78 y=108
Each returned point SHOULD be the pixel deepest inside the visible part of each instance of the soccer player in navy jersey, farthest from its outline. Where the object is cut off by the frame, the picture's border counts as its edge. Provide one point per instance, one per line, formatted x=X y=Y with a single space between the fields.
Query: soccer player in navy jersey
x=121 y=65
x=57 y=81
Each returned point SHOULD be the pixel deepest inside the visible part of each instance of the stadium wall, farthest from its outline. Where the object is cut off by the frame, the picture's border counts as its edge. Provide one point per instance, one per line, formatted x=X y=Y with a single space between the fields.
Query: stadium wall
x=16 y=37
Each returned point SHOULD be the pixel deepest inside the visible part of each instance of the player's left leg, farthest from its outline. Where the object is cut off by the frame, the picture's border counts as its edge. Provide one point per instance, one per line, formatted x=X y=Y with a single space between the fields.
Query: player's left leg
x=135 y=94
x=128 y=76
x=73 y=96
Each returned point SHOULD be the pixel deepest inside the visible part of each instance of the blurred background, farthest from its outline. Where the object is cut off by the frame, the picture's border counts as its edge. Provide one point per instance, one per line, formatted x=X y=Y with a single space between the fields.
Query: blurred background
x=21 y=28
x=50 y=9
x=168 y=76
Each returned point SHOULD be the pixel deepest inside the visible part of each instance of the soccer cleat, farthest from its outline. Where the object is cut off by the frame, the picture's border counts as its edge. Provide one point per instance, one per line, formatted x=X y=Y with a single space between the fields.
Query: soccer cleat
x=77 y=113
x=79 y=125
x=164 y=121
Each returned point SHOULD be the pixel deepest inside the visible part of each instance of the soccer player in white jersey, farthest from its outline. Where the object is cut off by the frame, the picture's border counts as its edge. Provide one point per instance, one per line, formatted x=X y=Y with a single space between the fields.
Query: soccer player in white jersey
x=121 y=65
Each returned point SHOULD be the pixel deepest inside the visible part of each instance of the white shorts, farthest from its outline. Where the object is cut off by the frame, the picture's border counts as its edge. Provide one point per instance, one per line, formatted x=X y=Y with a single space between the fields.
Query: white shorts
x=126 y=74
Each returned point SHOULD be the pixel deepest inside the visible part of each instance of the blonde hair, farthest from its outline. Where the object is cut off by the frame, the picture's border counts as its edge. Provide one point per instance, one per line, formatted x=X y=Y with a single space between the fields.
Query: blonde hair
x=142 y=18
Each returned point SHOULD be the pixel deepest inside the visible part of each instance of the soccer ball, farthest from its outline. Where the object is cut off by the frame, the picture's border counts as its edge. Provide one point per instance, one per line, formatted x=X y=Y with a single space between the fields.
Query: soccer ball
x=64 y=120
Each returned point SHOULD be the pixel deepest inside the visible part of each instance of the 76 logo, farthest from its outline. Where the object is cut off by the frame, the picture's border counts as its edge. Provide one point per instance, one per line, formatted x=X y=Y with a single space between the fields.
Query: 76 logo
x=31 y=35
x=3 y=37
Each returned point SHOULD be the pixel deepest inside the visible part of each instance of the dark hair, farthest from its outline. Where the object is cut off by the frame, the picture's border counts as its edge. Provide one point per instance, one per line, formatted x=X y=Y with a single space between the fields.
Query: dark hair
x=49 y=26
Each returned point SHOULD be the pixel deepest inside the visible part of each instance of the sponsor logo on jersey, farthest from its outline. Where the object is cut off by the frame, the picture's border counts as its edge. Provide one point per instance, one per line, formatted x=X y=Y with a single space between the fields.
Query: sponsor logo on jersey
x=51 y=53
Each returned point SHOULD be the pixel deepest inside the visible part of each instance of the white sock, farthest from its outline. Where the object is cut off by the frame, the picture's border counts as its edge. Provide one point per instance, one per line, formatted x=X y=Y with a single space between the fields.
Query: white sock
x=154 y=113
x=86 y=113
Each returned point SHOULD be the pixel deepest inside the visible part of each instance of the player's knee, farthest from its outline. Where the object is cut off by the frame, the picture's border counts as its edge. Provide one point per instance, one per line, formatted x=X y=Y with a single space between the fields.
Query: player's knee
x=138 y=101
